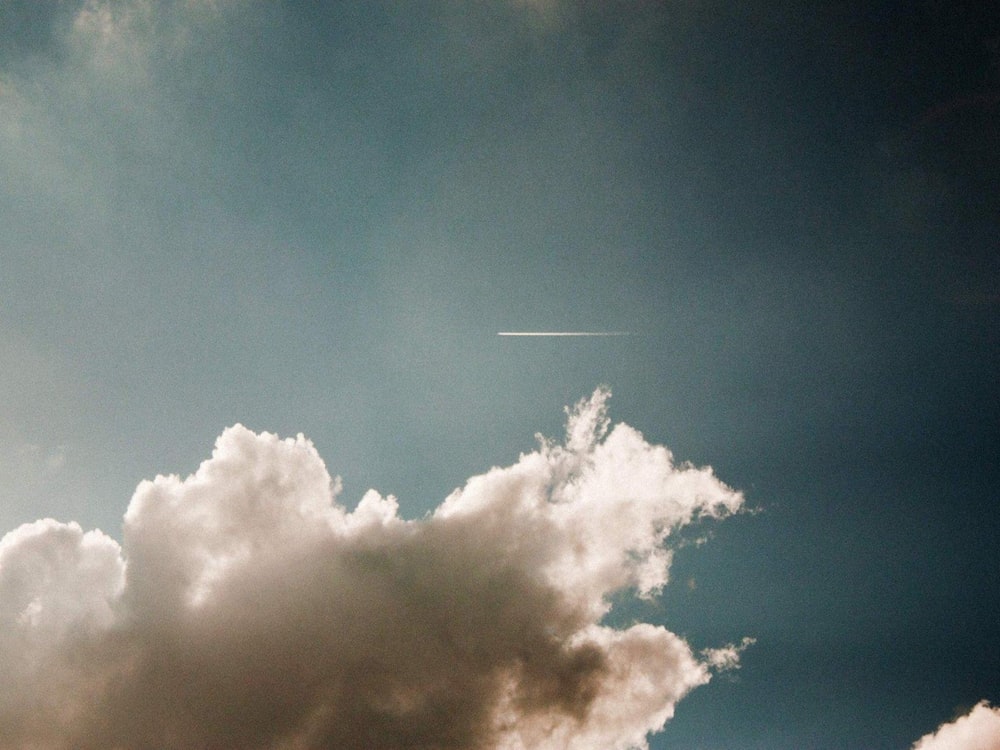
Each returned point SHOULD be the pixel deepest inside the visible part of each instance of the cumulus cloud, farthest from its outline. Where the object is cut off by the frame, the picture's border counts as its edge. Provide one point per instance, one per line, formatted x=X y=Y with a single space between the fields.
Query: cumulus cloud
x=977 y=730
x=246 y=608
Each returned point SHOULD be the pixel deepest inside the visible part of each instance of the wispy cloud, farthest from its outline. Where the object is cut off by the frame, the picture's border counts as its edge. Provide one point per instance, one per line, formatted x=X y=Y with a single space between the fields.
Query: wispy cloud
x=247 y=609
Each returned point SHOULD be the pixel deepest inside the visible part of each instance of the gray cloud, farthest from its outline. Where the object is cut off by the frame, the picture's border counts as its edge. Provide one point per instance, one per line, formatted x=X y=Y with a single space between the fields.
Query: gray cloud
x=246 y=608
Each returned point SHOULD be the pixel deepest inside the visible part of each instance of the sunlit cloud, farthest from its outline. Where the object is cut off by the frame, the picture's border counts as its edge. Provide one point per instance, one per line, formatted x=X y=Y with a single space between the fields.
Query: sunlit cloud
x=977 y=730
x=246 y=608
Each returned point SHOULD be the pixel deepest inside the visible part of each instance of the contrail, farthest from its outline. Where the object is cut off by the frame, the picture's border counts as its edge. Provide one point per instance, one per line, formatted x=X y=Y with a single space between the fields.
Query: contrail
x=564 y=333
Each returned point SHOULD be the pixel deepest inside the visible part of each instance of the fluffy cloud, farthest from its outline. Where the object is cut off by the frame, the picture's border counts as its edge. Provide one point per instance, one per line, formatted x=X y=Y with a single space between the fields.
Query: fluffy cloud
x=246 y=608
x=977 y=730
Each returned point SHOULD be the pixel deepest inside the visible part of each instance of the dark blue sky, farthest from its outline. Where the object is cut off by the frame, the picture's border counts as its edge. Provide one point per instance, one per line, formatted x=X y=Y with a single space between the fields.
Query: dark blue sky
x=314 y=217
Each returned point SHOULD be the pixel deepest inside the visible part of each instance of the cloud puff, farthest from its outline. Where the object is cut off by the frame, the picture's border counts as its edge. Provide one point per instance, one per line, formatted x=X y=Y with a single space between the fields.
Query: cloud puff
x=247 y=609
x=977 y=730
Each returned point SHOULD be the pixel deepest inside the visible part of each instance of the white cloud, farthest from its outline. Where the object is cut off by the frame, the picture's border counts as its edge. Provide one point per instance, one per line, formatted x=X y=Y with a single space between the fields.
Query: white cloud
x=727 y=657
x=977 y=730
x=247 y=609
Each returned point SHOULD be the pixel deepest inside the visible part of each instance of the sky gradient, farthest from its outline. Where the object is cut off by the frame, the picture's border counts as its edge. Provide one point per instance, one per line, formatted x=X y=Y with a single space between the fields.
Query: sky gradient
x=315 y=218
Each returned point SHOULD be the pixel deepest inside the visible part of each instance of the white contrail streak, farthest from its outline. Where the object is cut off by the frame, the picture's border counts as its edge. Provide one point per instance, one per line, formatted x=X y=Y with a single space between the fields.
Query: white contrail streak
x=564 y=333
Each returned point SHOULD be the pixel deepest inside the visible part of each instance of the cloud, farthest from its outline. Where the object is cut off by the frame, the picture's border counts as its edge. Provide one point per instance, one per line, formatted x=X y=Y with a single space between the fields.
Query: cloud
x=726 y=657
x=977 y=730
x=246 y=608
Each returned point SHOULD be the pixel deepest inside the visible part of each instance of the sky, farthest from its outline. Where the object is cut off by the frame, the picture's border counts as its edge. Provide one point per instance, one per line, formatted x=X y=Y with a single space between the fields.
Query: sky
x=229 y=223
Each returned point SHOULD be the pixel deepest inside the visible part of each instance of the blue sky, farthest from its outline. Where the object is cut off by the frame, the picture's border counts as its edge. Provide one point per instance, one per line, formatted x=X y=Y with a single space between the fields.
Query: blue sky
x=315 y=217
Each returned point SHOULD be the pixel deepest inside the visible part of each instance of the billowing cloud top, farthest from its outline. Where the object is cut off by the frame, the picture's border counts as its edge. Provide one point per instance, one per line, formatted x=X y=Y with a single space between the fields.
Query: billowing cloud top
x=247 y=609
x=977 y=730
